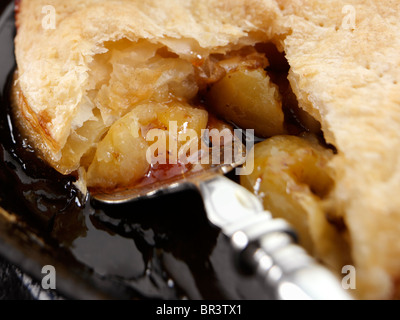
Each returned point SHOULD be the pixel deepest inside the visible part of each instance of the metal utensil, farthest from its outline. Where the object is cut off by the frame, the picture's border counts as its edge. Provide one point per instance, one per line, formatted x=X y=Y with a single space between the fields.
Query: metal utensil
x=266 y=245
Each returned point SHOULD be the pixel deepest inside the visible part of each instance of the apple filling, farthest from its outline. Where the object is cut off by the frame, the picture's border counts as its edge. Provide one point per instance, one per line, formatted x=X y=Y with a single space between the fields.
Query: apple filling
x=134 y=87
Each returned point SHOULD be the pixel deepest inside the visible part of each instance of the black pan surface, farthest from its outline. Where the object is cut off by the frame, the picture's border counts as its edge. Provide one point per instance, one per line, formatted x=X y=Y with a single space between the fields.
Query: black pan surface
x=157 y=249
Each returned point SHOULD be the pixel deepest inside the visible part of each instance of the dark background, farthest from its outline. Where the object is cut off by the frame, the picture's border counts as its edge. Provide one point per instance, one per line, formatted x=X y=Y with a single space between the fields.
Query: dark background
x=3 y=4
x=11 y=286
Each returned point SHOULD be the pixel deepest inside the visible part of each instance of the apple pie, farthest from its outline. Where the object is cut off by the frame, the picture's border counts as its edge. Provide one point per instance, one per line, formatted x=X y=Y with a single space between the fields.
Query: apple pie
x=91 y=85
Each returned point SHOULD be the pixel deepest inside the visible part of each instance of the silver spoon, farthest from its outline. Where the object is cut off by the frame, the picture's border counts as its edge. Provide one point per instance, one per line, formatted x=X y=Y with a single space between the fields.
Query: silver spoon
x=266 y=245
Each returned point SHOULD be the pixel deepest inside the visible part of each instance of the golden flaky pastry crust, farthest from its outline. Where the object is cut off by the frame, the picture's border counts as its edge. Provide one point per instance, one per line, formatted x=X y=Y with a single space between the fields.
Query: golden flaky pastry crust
x=347 y=78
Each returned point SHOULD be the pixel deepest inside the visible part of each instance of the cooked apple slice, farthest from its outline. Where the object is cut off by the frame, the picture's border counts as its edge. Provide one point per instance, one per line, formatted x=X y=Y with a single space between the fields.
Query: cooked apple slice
x=122 y=156
x=250 y=100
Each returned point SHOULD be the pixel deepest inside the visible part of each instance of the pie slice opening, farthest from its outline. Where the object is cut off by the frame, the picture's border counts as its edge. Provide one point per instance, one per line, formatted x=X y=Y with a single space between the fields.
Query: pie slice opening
x=136 y=87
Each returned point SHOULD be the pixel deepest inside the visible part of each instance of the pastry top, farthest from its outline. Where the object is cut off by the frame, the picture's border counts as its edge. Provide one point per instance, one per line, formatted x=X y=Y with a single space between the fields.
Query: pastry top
x=54 y=65
x=347 y=75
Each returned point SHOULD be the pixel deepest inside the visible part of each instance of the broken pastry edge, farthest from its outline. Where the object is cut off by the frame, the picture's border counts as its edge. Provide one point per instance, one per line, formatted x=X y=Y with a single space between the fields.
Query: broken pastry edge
x=78 y=47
